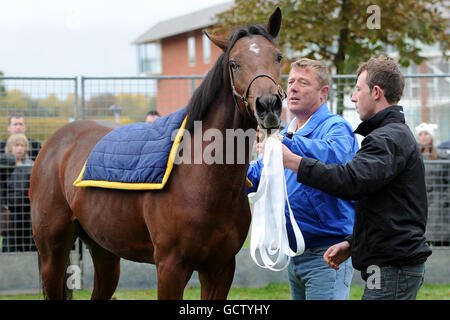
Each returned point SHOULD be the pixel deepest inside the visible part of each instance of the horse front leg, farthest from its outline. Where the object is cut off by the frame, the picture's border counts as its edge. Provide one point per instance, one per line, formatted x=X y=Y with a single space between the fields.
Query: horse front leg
x=216 y=282
x=173 y=275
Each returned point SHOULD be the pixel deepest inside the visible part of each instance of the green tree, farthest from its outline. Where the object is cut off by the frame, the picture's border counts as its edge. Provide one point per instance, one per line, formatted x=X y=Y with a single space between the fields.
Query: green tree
x=99 y=105
x=52 y=104
x=134 y=104
x=16 y=100
x=344 y=33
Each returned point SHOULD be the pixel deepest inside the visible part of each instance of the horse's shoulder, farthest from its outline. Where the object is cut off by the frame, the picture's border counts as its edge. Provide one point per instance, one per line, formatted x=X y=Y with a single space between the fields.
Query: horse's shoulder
x=89 y=126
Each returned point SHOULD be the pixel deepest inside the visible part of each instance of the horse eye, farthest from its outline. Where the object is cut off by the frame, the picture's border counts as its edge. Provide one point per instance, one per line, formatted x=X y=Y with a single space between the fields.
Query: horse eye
x=234 y=65
x=279 y=57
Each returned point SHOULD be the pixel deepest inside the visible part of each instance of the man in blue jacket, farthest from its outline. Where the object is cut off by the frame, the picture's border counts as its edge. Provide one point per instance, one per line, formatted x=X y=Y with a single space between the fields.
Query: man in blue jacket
x=323 y=219
x=387 y=181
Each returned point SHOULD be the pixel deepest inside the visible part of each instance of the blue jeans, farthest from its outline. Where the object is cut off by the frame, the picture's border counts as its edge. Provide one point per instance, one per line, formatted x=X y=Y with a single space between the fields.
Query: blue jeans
x=310 y=278
x=393 y=283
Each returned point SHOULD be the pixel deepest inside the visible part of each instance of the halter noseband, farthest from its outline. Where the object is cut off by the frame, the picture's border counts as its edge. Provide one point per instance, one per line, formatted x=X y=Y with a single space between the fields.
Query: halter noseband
x=280 y=92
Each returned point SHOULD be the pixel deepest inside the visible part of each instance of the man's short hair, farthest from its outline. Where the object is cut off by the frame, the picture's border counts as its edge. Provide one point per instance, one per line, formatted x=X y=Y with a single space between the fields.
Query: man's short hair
x=15 y=115
x=152 y=113
x=323 y=75
x=384 y=72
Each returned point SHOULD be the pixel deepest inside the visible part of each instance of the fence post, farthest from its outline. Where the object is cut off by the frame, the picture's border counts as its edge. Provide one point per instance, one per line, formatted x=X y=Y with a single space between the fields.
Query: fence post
x=75 y=107
x=83 y=116
x=330 y=94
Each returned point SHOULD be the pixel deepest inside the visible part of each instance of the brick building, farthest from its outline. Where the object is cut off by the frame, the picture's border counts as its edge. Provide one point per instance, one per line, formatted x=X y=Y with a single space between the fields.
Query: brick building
x=178 y=47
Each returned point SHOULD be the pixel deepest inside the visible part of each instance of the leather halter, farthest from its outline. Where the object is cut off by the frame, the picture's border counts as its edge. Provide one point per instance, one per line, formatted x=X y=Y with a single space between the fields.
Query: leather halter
x=280 y=92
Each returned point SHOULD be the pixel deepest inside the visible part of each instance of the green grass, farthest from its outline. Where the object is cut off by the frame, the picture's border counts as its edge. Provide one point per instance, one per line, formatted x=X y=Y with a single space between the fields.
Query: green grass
x=274 y=291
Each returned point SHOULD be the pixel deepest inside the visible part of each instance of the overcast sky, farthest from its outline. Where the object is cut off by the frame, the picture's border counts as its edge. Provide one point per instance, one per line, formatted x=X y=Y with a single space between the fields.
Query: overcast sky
x=80 y=37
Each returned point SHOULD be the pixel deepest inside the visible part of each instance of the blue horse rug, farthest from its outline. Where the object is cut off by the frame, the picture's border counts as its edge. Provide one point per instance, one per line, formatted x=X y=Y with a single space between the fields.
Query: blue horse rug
x=138 y=156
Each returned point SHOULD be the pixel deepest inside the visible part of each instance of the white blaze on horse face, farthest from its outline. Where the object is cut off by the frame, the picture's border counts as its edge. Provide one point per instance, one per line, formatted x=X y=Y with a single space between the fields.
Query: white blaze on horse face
x=254 y=48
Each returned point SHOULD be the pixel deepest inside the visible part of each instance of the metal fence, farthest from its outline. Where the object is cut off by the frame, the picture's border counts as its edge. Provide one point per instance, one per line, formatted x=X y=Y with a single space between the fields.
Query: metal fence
x=45 y=104
x=426 y=98
x=128 y=99
x=15 y=219
x=49 y=103
x=437 y=179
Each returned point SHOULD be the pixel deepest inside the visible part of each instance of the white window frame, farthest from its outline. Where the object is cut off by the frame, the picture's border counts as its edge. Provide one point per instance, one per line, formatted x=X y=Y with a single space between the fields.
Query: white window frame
x=191 y=50
x=206 y=49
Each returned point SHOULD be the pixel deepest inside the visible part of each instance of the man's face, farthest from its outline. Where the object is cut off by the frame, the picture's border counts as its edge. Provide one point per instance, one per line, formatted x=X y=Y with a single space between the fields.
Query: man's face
x=17 y=125
x=362 y=97
x=150 y=118
x=304 y=94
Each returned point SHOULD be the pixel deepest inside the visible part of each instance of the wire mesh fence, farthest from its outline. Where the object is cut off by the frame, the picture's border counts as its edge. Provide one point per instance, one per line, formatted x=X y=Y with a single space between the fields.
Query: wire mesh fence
x=32 y=109
x=437 y=179
x=46 y=104
x=128 y=99
x=426 y=98
x=15 y=218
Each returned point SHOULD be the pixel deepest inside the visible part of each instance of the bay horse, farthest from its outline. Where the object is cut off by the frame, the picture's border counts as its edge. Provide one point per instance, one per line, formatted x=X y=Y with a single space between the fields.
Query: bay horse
x=201 y=218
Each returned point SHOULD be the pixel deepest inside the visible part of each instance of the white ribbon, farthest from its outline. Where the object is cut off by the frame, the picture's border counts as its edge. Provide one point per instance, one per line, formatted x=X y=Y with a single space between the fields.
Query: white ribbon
x=267 y=204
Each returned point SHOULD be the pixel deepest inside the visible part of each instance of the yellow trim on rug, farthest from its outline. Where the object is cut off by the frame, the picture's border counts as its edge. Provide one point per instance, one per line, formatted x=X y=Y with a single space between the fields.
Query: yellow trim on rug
x=136 y=186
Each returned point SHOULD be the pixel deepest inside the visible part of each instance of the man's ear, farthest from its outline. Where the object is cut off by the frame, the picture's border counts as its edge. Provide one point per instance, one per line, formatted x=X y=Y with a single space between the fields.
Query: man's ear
x=222 y=43
x=377 y=92
x=325 y=90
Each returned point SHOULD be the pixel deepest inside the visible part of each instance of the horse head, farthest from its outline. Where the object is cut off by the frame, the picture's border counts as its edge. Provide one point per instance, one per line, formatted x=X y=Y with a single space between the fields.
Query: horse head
x=253 y=62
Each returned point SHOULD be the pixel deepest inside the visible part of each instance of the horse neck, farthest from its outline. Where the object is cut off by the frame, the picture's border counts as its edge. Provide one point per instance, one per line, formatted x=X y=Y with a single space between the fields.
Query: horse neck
x=224 y=114
x=224 y=117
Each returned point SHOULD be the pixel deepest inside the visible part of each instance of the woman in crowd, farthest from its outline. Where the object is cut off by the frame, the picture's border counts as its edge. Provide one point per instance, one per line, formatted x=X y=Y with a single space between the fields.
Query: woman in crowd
x=436 y=178
x=425 y=134
x=17 y=187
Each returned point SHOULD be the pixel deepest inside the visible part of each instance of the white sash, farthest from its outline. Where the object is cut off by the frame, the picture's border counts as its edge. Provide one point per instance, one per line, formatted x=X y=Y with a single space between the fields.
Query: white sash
x=267 y=204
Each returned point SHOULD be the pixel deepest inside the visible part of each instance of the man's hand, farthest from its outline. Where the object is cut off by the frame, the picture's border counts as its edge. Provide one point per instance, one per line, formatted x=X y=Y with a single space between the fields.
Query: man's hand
x=337 y=254
x=262 y=136
x=290 y=160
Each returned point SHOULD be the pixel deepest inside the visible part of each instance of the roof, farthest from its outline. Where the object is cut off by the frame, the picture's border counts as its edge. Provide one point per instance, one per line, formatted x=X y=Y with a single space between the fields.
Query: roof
x=181 y=24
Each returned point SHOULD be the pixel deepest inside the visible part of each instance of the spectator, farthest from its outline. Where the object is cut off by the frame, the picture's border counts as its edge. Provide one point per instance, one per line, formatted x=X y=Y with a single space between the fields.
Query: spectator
x=436 y=178
x=17 y=188
x=16 y=124
x=444 y=149
x=323 y=219
x=425 y=134
x=7 y=165
x=386 y=178
x=151 y=116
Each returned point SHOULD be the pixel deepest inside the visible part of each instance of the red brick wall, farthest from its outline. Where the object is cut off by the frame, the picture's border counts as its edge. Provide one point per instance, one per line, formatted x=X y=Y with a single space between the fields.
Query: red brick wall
x=174 y=94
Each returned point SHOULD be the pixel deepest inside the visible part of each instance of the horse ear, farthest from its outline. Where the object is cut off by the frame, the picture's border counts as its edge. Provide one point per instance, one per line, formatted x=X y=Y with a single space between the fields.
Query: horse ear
x=222 y=43
x=274 y=24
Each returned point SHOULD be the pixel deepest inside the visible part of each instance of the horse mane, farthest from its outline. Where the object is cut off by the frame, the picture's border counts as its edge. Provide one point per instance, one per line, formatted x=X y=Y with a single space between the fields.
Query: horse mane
x=211 y=85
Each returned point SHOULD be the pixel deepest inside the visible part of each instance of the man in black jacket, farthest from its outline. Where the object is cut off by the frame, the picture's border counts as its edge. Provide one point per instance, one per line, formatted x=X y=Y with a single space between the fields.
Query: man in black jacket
x=386 y=178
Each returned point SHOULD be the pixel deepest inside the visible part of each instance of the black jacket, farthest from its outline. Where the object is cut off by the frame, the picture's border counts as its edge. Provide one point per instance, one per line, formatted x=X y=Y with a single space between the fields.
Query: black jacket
x=386 y=178
x=17 y=188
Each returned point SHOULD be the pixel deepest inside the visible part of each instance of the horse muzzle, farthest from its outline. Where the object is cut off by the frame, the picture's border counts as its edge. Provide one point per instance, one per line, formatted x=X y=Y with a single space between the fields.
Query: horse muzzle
x=268 y=110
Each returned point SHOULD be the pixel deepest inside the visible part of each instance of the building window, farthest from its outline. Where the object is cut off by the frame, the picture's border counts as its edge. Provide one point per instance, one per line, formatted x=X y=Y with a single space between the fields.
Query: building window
x=149 y=58
x=206 y=49
x=191 y=51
